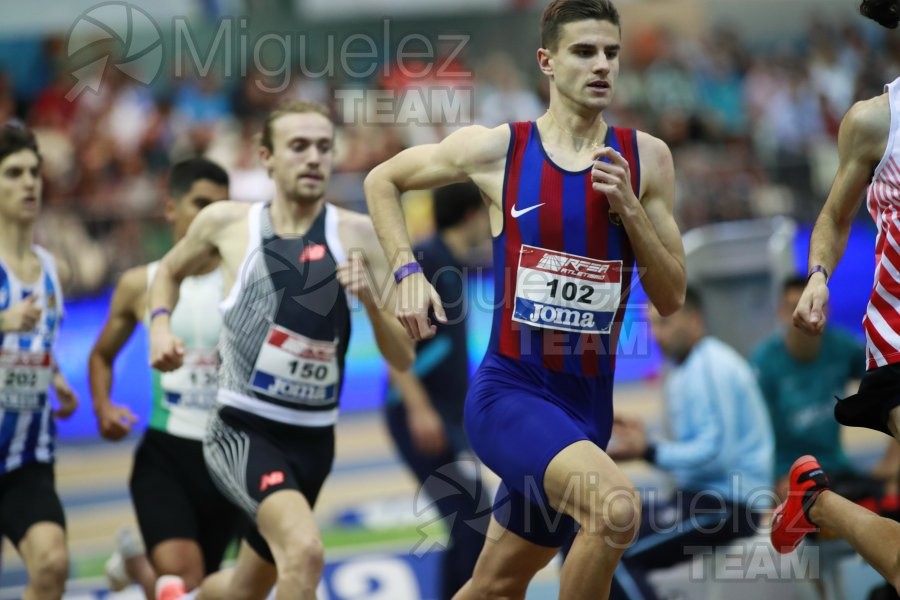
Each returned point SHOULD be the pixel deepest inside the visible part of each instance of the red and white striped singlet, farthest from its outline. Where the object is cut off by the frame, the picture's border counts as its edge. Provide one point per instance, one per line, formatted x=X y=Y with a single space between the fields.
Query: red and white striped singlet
x=882 y=320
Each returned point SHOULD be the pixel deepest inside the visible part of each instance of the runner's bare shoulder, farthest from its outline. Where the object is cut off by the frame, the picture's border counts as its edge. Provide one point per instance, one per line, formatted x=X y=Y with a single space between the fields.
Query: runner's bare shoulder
x=867 y=125
x=219 y=216
x=478 y=145
x=355 y=224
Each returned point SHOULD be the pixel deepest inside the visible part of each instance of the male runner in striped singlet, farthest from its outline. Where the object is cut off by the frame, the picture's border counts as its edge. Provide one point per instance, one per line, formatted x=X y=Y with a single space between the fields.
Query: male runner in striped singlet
x=186 y=524
x=31 y=306
x=290 y=265
x=573 y=203
x=869 y=148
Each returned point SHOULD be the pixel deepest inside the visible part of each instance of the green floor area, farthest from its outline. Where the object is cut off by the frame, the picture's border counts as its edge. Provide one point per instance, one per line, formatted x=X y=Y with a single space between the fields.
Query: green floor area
x=337 y=540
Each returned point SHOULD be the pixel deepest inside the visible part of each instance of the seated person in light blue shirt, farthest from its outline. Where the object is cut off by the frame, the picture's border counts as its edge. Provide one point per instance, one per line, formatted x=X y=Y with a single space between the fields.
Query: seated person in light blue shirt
x=719 y=451
x=800 y=376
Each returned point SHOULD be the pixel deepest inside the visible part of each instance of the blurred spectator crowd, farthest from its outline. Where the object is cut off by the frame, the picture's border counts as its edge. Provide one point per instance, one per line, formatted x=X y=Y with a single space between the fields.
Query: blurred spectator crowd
x=753 y=130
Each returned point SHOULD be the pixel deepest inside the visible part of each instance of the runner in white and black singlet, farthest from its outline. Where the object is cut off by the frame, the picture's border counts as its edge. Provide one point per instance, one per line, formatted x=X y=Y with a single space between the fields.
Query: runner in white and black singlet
x=293 y=267
x=186 y=528
x=287 y=324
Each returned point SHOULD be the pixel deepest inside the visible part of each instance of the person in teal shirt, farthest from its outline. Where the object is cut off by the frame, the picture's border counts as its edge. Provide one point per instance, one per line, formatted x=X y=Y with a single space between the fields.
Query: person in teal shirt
x=800 y=376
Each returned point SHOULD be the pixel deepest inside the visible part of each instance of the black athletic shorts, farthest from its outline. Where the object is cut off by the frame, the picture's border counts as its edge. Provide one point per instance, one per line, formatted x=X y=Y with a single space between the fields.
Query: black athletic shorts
x=175 y=498
x=251 y=457
x=878 y=395
x=28 y=496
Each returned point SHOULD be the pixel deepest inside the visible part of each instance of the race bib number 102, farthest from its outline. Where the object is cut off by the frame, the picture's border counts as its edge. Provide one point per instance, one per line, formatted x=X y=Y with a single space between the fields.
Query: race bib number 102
x=566 y=292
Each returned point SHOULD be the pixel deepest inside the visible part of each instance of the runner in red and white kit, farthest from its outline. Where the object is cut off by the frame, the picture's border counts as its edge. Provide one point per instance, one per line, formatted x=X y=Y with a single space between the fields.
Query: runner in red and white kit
x=869 y=147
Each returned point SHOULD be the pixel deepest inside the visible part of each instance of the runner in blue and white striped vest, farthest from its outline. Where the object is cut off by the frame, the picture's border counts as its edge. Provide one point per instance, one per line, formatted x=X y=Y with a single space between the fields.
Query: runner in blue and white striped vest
x=31 y=307
x=27 y=430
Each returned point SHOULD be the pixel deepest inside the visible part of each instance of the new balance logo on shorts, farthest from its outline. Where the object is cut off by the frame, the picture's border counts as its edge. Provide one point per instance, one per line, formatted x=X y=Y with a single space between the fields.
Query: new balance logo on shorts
x=270 y=480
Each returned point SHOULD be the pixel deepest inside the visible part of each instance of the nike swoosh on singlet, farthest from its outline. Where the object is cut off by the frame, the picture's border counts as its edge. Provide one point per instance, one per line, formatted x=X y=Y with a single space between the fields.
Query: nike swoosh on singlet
x=518 y=213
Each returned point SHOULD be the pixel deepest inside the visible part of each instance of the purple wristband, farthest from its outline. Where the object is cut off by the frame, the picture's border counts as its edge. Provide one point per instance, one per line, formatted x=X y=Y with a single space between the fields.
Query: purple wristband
x=817 y=269
x=406 y=270
x=159 y=311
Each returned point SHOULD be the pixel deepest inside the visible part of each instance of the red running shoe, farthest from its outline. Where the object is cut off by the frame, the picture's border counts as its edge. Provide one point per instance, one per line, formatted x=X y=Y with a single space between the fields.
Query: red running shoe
x=170 y=587
x=790 y=521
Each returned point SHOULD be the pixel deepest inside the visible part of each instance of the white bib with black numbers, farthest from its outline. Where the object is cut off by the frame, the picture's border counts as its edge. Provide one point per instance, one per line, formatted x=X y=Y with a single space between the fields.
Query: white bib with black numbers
x=296 y=369
x=566 y=292
x=195 y=384
x=24 y=378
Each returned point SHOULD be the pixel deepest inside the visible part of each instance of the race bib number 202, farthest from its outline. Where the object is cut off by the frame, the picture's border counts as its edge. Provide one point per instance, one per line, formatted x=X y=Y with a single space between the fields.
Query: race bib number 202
x=24 y=380
x=566 y=292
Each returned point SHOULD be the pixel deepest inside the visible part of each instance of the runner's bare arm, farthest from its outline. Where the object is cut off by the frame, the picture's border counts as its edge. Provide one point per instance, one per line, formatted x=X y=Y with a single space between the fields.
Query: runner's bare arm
x=193 y=253
x=424 y=422
x=125 y=311
x=461 y=155
x=470 y=152
x=390 y=336
x=649 y=222
x=861 y=143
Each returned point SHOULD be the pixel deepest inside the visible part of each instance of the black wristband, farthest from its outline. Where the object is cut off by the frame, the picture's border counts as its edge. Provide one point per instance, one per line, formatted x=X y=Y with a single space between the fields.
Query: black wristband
x=649 y=454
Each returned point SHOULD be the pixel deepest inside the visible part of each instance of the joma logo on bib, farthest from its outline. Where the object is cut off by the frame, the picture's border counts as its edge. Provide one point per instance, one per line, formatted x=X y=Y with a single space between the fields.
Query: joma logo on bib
x=567 y=317
x=298 y=391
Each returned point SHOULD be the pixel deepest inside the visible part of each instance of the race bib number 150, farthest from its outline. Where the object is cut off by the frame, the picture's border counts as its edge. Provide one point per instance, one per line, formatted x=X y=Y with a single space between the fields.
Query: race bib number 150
x=295 y=368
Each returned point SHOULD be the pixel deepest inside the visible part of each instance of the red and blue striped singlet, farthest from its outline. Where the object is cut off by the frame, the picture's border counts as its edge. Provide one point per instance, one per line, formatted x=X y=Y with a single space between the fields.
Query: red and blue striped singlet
x=562 y=264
